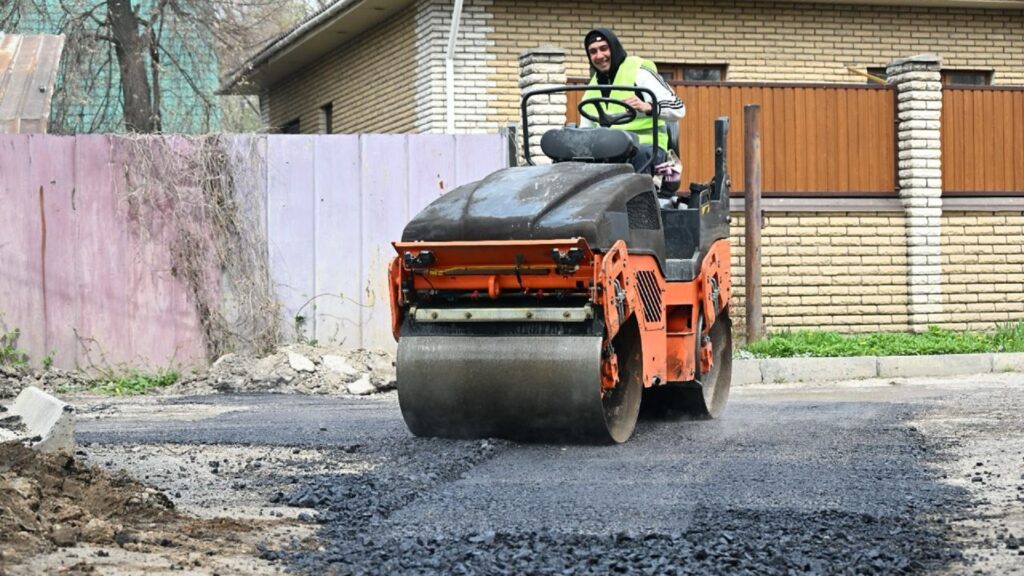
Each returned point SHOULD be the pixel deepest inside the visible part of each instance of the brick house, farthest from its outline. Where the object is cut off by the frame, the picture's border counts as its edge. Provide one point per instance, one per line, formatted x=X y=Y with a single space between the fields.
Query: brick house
x=936 y=237
x=388 y=55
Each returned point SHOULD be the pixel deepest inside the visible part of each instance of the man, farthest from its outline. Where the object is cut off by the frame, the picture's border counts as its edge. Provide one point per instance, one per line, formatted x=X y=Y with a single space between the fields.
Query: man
x=609 y=65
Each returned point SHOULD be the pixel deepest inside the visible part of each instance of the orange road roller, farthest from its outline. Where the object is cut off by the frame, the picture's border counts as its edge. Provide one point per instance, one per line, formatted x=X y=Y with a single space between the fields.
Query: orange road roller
x=546 y=302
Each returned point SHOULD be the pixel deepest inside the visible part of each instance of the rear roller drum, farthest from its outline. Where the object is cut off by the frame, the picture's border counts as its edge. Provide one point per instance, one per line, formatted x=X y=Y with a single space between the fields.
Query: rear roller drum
x=706 y=395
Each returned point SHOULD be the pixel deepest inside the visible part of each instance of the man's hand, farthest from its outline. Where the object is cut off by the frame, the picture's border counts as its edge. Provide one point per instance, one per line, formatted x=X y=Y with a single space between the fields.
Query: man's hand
x=638 y=105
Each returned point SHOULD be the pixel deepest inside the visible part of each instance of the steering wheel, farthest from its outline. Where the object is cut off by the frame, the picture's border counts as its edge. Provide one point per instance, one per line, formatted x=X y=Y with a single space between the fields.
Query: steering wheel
x=604 y=118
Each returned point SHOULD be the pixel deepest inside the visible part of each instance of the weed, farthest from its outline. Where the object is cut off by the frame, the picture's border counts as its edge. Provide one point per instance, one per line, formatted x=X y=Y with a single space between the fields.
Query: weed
x=936 y=340
x=135 y=382
x=10 y=354
x=48 y=361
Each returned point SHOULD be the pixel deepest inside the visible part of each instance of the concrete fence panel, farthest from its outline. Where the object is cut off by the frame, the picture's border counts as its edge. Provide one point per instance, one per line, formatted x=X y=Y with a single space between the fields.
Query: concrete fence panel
x=90 y=272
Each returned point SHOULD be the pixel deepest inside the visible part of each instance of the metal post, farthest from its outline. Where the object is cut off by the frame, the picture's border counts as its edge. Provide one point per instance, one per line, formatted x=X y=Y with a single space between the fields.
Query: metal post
x=752 y=219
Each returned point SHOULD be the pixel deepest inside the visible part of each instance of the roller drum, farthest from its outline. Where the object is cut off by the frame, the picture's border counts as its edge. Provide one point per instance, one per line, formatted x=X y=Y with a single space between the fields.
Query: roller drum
x=517 y=387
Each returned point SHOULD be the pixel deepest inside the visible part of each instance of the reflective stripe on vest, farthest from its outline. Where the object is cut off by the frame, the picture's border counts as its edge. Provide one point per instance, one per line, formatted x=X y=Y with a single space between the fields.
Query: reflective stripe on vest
x=626 y=76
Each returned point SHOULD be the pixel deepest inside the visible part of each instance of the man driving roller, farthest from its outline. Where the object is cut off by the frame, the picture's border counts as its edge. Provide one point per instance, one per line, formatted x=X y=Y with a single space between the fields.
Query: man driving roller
x=609 y=65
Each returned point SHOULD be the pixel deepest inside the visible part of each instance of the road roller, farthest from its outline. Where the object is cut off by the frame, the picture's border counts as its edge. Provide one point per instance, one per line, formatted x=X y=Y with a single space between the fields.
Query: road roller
x=547 y=301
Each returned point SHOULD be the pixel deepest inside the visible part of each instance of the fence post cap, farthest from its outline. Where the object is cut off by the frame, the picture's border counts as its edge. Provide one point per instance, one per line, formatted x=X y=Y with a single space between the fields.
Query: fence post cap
x=547 y=50
x=927 y=58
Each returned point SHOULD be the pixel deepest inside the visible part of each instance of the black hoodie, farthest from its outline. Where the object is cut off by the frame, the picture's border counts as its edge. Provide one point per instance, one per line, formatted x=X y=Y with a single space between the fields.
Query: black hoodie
x=618 y=55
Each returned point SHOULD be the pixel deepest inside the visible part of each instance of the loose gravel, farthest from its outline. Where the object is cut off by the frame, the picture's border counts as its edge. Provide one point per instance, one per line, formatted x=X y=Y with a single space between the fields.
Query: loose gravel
x=439 y=507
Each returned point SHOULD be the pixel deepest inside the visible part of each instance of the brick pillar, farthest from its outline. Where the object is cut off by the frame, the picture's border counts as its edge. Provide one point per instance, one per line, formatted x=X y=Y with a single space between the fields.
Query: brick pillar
x=542 y=67
x=919 y=108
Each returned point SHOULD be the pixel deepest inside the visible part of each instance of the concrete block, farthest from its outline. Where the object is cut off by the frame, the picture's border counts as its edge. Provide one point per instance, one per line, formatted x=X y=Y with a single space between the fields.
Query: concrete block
x=939 y=365
x=45 y=418
x=1008 y=362
x=746 y=372
x=778 y=370
x=362 y=386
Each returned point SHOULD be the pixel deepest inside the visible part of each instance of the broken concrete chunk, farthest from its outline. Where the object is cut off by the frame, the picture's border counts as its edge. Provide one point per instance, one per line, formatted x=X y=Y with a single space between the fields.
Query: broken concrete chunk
x=362 y=387
x=300 y=363
x=225 y=359
x=340 y=365
x=49 y=424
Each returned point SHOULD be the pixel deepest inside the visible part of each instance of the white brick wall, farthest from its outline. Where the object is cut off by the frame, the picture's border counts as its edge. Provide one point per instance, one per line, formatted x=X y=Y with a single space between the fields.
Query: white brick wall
x=473 y=59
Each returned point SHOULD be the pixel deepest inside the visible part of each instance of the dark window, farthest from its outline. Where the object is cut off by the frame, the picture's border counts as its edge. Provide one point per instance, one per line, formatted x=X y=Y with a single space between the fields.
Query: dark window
x=967 y=77
x=290 y=127
x=693 y=72
x=327 y=118
x=878 y=73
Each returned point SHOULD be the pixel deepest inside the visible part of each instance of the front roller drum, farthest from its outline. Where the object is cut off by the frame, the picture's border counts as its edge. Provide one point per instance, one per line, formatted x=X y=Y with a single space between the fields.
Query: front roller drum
x=528 y=387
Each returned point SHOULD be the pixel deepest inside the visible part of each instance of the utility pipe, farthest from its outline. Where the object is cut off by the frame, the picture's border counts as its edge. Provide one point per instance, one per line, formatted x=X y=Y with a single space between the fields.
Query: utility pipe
x=449 y=64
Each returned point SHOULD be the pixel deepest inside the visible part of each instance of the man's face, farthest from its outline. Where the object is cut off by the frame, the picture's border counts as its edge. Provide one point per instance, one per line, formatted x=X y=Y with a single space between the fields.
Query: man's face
x=600 y=54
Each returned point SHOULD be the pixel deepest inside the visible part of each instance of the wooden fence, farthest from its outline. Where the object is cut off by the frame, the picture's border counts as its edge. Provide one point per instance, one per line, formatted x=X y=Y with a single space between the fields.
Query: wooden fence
x=86 y=282
x=982 y=141
x=817 y=140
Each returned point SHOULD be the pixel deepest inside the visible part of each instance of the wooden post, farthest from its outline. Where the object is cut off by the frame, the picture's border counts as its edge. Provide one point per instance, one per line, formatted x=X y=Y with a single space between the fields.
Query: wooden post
x=752 y=219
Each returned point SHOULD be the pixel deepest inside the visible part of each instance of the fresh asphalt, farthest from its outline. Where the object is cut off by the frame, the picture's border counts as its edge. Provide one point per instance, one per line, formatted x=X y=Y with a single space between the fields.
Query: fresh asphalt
x=791 y=480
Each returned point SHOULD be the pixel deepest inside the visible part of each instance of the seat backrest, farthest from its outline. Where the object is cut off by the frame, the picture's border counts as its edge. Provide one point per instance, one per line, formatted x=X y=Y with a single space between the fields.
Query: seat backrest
x=673 y=136
x=589 y=145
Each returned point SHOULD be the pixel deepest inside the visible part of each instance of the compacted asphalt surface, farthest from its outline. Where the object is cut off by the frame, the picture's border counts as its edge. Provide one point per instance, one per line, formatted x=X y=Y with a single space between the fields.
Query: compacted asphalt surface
x=879 y=476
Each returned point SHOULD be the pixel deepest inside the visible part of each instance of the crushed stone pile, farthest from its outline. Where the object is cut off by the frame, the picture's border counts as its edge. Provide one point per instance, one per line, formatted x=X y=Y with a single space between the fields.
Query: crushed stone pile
x=15 y=378
x=298 y=369
x=295 y=368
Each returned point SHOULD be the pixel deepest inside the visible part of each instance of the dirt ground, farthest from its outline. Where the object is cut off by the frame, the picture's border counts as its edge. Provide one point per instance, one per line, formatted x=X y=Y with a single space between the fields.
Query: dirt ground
x=59 y=514
x=84 y=513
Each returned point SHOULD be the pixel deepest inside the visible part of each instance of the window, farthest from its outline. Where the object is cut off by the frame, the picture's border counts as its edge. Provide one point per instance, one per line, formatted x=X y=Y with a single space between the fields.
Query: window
x=967 y=77
x=692 y=72
x=290 y=127
x=327 y=117
x=879 y=73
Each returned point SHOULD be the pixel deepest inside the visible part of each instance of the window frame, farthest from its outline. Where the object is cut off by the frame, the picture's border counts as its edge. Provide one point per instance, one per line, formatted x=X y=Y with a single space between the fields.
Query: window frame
x=946 y=73
x=677 y=70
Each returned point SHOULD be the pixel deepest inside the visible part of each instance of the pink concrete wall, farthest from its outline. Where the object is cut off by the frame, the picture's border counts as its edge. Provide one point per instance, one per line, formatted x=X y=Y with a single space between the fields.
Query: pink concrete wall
x=91 y=287
x=82 y=286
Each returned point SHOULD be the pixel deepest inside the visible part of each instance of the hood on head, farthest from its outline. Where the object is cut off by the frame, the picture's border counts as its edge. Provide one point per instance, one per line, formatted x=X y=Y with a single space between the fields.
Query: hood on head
x=618 y=53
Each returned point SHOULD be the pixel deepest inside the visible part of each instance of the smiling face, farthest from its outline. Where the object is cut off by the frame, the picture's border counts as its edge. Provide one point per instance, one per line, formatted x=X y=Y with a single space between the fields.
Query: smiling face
x=600 y=54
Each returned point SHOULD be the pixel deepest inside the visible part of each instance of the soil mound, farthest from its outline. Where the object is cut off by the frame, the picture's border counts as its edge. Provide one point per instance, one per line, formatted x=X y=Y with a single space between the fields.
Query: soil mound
x=49 y=501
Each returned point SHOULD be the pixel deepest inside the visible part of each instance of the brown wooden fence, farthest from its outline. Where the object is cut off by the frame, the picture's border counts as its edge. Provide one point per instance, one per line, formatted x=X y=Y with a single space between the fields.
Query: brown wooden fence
x=982 y=141
x=817 y=140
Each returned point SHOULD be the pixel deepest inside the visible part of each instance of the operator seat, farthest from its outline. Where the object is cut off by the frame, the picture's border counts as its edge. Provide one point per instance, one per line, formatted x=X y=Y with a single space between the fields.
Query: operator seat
x=595 y=145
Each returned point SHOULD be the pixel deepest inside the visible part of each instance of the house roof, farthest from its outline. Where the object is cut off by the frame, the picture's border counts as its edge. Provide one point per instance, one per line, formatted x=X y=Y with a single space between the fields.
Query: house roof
x=28 y=72
x=333 y=26
x=344 y=20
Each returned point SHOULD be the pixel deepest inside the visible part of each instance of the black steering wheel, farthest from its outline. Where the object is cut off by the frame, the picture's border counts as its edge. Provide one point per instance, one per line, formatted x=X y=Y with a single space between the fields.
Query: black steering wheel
x=604 y=118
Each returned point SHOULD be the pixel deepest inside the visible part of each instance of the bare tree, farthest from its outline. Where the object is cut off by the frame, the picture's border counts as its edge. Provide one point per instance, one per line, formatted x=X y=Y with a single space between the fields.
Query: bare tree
x=150 y=65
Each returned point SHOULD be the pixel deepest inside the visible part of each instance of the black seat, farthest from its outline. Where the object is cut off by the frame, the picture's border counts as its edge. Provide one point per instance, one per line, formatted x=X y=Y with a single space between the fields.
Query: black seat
x=673 y=136
x=589 y=145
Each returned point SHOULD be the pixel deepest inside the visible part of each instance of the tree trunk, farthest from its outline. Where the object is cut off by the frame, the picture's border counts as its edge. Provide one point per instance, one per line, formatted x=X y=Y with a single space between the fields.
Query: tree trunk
x=131 y=46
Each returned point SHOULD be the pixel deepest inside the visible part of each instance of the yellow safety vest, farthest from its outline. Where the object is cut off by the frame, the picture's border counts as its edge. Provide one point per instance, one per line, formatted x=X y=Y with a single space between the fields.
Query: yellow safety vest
x=626 y=76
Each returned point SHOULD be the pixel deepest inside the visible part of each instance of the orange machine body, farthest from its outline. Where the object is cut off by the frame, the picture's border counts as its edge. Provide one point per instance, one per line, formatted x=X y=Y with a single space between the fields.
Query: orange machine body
x=619 y=286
